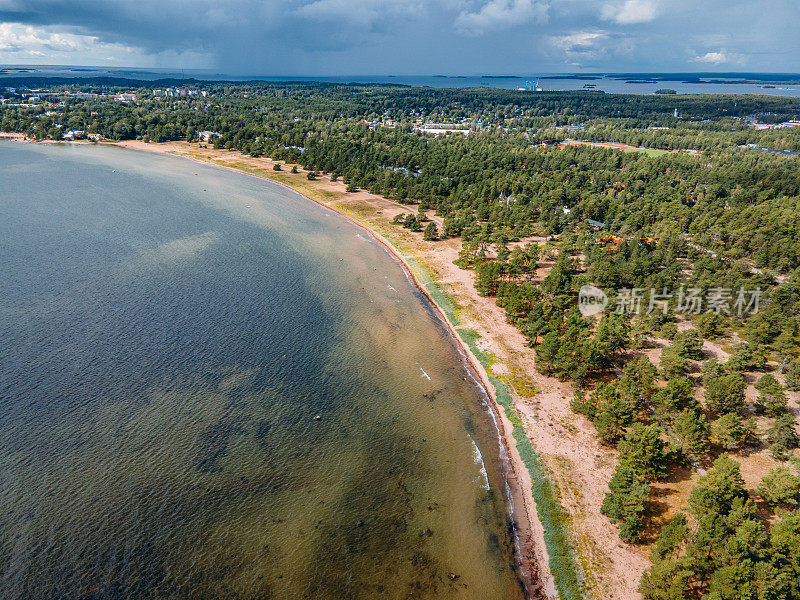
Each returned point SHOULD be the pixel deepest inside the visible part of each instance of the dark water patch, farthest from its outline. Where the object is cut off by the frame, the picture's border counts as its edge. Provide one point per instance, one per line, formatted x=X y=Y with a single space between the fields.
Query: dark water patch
x=214 y=445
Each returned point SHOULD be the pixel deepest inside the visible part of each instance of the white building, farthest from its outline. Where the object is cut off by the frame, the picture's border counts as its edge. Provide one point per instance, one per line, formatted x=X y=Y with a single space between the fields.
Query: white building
x=205 y=136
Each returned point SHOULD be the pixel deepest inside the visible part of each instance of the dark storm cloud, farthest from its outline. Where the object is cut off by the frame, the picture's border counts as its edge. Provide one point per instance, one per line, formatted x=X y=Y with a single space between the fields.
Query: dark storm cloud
x=423 y=36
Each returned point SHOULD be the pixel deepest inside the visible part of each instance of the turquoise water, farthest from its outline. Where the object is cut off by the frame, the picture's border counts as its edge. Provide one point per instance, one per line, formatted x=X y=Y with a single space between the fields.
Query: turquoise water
x=211 y=387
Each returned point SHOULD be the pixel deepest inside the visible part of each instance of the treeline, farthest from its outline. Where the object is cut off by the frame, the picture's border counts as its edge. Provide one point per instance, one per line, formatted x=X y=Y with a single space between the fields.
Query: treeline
x=710 y=136
x=489 y=104
x=743 y=204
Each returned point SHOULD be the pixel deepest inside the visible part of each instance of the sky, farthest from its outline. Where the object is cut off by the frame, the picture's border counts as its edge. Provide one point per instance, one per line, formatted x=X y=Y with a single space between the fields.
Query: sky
x=405 y=37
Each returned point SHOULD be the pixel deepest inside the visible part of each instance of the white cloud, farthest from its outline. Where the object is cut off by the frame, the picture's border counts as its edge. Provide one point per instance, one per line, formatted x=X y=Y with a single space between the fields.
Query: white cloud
x=24 y=38
x=593 y=47
x=27 y=44
x=501 y=14
x=714 y=58
x=579 y=41
x=630 y=12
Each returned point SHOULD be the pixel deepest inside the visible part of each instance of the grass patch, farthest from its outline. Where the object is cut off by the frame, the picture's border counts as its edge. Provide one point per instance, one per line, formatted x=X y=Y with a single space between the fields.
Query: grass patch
x=554 y=521
x=594 y=558
x=289 y=179
x=551 y=515
x=520 y=384
x=648 y=151
x=361 y=213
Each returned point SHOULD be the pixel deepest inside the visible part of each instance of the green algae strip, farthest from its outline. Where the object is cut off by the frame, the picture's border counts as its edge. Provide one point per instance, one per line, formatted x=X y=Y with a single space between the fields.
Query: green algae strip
x=556 y=538
x=560 y=554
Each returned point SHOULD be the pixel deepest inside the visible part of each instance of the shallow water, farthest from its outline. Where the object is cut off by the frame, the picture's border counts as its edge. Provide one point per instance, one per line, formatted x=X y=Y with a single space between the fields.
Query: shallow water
x=211 y=387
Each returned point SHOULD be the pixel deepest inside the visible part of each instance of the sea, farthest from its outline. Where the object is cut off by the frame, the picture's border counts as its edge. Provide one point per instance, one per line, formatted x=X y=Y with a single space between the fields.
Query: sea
x=212 y=387
x=774 y=84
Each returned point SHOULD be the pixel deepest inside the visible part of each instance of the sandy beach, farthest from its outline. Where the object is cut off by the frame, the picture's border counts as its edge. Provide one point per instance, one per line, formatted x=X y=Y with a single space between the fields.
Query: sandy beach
x=578 y=465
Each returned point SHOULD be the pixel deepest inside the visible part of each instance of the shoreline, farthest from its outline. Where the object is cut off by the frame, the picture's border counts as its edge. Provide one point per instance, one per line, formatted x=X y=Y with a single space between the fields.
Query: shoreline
x=566 y=548
x=529 y=570
x=531 y=555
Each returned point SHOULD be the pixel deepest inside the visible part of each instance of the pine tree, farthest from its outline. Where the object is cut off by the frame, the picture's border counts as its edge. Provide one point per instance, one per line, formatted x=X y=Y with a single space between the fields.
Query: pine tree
x=781 y=488
x=431 y=233
x=692 y=429
x=676 y=396
x=725 y=393
x=717 y=492
x=772 y=399
x=783 y=437
x=624 y=502
x=785 y=559
x=732 y=432
x=793 y=376
x=643 y=450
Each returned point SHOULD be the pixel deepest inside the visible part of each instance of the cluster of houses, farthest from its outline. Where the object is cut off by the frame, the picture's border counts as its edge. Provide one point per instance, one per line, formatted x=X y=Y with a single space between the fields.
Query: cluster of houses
x=178 y=92
x=465 y=127
x=768 y=150
x=30 y=98
x=572 y=128
x=384 y=121
x=79 y=134
x=787 y=124
x=755 y=123
x=207 y=136
x=33 y=97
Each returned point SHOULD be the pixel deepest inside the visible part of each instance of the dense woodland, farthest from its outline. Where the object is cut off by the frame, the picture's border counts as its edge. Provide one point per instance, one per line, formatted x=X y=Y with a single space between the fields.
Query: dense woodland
x=497 y=176
x=724 y=219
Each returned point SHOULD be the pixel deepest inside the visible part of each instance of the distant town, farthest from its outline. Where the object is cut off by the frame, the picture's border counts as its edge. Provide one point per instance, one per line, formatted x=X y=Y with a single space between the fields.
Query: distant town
x=51 y=101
